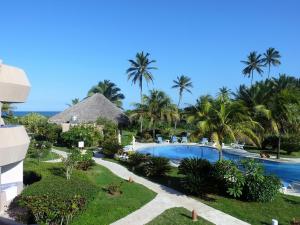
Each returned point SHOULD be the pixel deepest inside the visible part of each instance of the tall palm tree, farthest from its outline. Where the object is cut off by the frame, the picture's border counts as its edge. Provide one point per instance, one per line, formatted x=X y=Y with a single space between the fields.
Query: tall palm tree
x=74 y=102
x=271 y=57
x=109 y=90
x=183 y=83
x=140 y=69
x=224 y=94
x=253 y=63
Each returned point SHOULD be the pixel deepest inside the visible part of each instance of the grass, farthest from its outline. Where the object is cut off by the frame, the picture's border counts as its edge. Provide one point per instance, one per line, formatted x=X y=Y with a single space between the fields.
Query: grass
x=177 y=216
x=101 y=207
x=284 y=208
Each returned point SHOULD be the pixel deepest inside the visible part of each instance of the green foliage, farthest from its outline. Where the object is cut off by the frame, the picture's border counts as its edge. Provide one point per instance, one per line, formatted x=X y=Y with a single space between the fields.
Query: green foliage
x=39 y=129
x=156 y=166
x=259 y=187
x=109 y=127
x=110 y=147
x=114 y=189
x=291 y=143
x=84 y=161
x=52 y=210
x=229 y=178
x=149 y=166
x=39 y=149
x=89 y=134
x=198 y=173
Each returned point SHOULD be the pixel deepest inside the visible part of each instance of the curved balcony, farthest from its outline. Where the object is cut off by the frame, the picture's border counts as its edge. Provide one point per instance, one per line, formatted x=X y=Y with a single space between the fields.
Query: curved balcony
x=14 y=84
x=14 y=143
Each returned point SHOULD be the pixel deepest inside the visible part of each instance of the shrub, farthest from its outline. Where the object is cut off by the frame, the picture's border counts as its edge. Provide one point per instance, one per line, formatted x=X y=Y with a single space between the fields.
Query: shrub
x=89 y=134
x=137 y=160
x=197 y=173
x=229 y=178
x=39 y=149
x=83 y=161
x=291 y=143
x=110 y=147
x=259 y=187
x=52 y=210
x=109 y=127
x=114 y=189
x=156 y=166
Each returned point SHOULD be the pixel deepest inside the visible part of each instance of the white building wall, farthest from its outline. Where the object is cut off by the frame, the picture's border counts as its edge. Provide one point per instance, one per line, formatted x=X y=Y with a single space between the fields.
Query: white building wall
x=12 y=173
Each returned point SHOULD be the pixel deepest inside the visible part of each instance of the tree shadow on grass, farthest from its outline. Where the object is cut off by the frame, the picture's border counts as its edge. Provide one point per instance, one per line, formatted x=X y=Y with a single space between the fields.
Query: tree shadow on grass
x=57 y=171
x=291 y=201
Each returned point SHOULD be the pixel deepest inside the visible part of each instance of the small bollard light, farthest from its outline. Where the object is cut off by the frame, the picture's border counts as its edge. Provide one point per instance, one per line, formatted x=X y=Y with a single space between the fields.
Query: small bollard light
x=130 y=180
x=274 y=222
x=194 y=215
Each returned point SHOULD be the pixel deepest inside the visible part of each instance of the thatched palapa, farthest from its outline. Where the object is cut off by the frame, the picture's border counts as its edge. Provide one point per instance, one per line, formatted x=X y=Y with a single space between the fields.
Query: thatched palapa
x=90 y=109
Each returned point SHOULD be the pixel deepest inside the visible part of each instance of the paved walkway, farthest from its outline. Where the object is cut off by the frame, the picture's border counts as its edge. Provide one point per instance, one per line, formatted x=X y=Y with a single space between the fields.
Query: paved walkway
x=166 y=198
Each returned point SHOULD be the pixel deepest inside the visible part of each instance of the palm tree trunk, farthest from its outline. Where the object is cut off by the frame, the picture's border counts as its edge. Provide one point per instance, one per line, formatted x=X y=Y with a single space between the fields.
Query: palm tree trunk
x=220 y=154
x=141 y=94
x=269 y=71
x=251 y=77
x=278 y=149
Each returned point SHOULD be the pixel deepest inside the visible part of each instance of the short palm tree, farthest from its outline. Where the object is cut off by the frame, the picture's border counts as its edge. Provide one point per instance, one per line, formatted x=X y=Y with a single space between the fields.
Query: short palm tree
x=223 y=120
x=183 y=83
x=140 y=69
x=73 y=102
x=271 y=58
x=110 y=90
x=253 y=63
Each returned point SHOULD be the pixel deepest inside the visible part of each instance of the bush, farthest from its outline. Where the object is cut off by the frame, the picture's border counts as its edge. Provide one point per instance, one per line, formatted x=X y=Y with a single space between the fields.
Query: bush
x=258 y=187
x=229 y=178
x=39 y=149
x=198 y=174
x=109 y=127
x=83 y=161
x=156 y=166
x=114 y=189
x=52 y=210
x=291 y=143
x=110 y=147
x=89 y=134
x=137 y=160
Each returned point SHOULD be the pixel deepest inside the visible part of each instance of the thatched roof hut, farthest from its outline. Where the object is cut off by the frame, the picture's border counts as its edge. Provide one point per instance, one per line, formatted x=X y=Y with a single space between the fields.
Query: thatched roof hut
x=89 y=110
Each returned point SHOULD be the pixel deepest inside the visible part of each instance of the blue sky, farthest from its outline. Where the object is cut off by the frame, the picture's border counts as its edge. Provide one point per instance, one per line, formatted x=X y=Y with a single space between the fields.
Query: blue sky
x=65 y=47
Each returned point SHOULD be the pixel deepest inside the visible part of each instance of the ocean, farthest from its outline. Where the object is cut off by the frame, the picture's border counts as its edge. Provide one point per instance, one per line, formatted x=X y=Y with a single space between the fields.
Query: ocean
x=44 y=113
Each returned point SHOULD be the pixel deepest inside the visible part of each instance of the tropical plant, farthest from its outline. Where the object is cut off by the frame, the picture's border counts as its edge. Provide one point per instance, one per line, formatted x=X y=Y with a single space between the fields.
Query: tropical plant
x=157 y=107
x=271 y=58
x=253 y=63
x=73 y=102
x=223 y=121
x=109 y=90
x=197 y=174
x=183 y=83
x=140 y=69
x=156 y=166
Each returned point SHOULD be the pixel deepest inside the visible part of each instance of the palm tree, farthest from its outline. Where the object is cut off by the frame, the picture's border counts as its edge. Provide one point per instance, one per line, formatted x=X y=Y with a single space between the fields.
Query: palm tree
x=183 y=83
x=157 y=108
x=223 y=120
x=74 y=102
x=271 y=57
x=224 y=94
x=109 y=90
x=253 y=63
x=140 y=69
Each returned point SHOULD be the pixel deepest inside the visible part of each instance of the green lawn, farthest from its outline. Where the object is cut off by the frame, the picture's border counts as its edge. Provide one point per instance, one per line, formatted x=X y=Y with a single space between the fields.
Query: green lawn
x=284 y=207
x=101 y=208
x=177 y=216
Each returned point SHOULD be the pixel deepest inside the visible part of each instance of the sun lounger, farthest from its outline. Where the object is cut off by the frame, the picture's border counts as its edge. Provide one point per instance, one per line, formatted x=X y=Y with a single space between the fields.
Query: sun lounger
x=184 y=140
x=174 y=139
x=159 y=140
x=204 y=141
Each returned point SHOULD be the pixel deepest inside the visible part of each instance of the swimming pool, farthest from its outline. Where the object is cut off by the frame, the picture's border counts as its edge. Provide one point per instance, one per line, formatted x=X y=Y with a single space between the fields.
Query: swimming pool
x=287 y=172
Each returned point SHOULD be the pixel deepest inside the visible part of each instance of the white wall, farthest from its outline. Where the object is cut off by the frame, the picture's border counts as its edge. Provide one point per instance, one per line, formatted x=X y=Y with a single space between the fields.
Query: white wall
x=12 y=173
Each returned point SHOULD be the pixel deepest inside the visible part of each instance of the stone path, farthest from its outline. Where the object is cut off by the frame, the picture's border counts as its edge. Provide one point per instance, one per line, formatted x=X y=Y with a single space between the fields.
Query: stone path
x=166 y=198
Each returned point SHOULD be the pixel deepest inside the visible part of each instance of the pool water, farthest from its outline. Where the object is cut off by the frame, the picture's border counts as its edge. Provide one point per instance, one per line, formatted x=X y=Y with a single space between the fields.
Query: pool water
x=287 y=172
